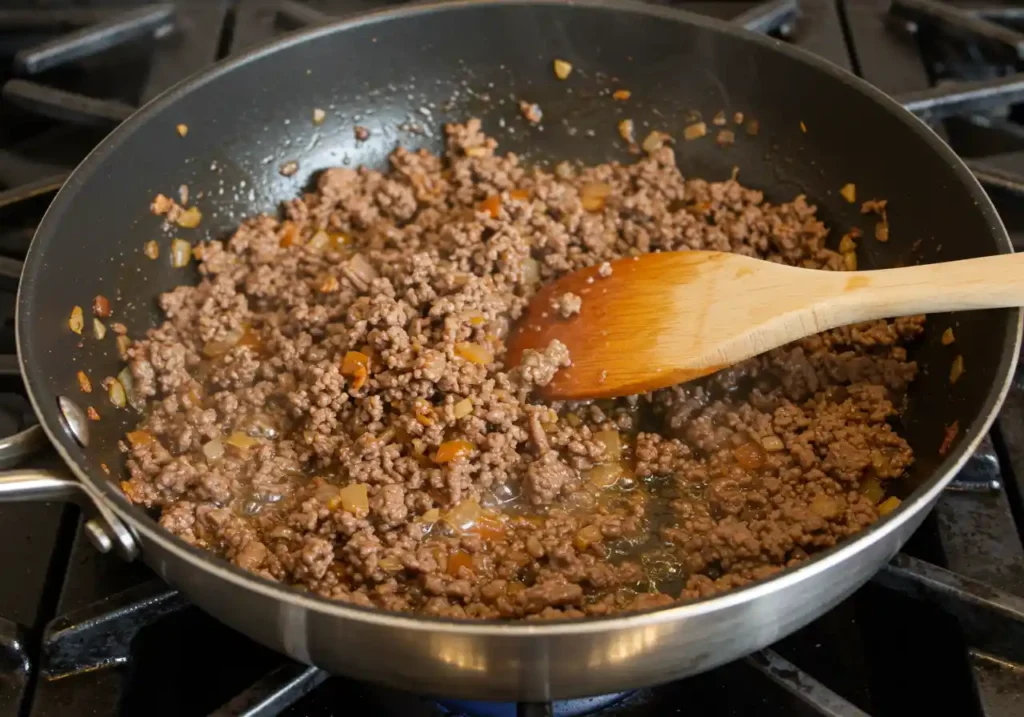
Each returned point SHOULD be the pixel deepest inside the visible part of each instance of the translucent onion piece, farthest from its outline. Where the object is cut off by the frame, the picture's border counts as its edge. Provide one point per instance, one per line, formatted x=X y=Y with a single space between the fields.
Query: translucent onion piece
x=562 y=69
x=77 y=321
x=531 y=271
x=123 y=342
x=772 y=444
x=695 y=131
x=621 y=95
x=151 y=249
x=889 y=505
x=390 y=563
x=99 y=330
x=219 y=347
x=355 y=500
x=463 y=408
x=655 y=141
x=242 y=441
x=849 y=192
x=824 y=506
x=957 y=369
x=464 y=515
x=948 y=337
x=612 y=442
x=458 y=560
x=319 y=116
x=116 y=393
x=181 y=253
x=606 y=475
x=872 y=490
x=128 y=381
x=474 y=353
x=84 y=383
x=190 y=218
x=587 y=536
x=214 y=450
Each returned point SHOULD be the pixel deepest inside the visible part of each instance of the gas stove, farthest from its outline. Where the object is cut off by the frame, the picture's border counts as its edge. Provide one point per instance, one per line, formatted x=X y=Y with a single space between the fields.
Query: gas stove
x=82 y=633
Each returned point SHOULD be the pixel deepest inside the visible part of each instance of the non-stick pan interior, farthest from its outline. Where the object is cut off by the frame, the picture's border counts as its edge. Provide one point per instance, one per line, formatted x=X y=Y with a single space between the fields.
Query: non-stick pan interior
x=404 y=76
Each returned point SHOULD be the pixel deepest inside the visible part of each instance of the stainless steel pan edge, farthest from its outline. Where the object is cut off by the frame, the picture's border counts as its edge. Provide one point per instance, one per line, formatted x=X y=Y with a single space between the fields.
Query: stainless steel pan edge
x=517 y=661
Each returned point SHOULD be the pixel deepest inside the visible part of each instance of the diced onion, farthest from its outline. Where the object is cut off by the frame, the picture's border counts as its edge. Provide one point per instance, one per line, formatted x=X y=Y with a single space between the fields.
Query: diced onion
x=213 y=450
x=181 y=253
x=824 y=506
x=458 y=560
x=84 y=383
x=390 y=564
x=190 y=218
x=474 y=353
x=354 y=499
x=463 y=515
x=957 y=369
x=431 y=516
x=606 y=475
x=593 y=195
x=77 y=321
x=151 y=249
x=750 y=456
x=612 y=443
x=452 y=450
x=562 y=69
x=123 y=342
x=695 y=131
x=948 y=337
x=772 y=444
x=140 y=438
x=621 y=95
x=219 y=347
x=319 y=116
x=491 y=205
x=655 y=141
x=463 y=408
x=531 y=271
x=116 y=393
x=99 y=330
x=889 y=505
x=128 y=381
x=627 y=130
x=241 y=441
x=587 y=536
x=849 y=192
x=872 y=490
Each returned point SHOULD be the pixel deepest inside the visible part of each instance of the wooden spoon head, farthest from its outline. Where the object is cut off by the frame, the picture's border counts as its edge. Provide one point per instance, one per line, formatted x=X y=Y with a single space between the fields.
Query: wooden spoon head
x=643 y=327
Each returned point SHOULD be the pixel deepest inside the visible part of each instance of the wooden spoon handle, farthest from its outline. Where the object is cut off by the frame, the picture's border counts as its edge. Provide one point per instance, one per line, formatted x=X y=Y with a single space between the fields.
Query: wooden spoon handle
x=990 y=282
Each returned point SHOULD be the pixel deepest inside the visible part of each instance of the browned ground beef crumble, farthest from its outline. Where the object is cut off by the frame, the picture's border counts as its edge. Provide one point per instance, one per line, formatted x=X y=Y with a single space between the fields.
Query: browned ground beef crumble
x=497 y=506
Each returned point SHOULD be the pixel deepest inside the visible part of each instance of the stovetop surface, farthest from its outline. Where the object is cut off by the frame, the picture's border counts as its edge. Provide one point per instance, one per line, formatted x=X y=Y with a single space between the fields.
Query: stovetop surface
x=918 y=639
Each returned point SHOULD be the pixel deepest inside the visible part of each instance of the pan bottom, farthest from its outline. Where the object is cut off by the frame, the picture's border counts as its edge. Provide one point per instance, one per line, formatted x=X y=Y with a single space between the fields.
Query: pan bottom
x=562 y=708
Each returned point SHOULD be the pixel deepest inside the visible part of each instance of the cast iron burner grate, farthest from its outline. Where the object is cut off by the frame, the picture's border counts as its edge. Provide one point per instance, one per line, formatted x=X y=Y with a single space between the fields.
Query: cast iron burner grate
x=84 y=633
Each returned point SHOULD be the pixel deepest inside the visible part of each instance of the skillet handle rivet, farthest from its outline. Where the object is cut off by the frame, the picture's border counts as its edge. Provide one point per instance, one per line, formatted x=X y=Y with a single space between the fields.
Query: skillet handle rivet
x=74 y=420
x=98 y=536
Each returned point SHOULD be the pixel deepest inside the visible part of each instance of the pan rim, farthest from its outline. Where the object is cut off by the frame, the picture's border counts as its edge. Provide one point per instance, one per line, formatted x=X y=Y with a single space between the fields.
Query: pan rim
x=921 y=499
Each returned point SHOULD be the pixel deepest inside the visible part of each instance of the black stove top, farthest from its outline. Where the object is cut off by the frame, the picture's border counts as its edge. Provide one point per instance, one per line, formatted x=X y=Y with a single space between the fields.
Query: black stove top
x=940 y=629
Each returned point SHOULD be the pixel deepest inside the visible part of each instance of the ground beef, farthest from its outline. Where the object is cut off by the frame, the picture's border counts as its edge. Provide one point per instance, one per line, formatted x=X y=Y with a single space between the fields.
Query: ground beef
x=567 y=304
x=329 y=408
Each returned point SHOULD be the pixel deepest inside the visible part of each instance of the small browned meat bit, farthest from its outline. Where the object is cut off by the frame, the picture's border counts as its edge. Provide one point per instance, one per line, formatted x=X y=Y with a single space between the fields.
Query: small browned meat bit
x=725 y=138
x=531 y=111
x=366 y=443
x=289 y=168
x=92 y=414
x=101 y=306
x=621 y=95
x=362 y=134
x=956 y=370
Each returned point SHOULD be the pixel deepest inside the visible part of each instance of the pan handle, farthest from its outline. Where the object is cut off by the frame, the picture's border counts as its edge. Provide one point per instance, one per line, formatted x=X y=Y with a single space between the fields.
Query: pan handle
x=104 y=529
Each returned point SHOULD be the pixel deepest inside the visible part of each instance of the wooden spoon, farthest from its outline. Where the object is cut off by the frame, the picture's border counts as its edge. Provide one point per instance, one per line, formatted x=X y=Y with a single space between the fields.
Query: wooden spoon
x=661 y=319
